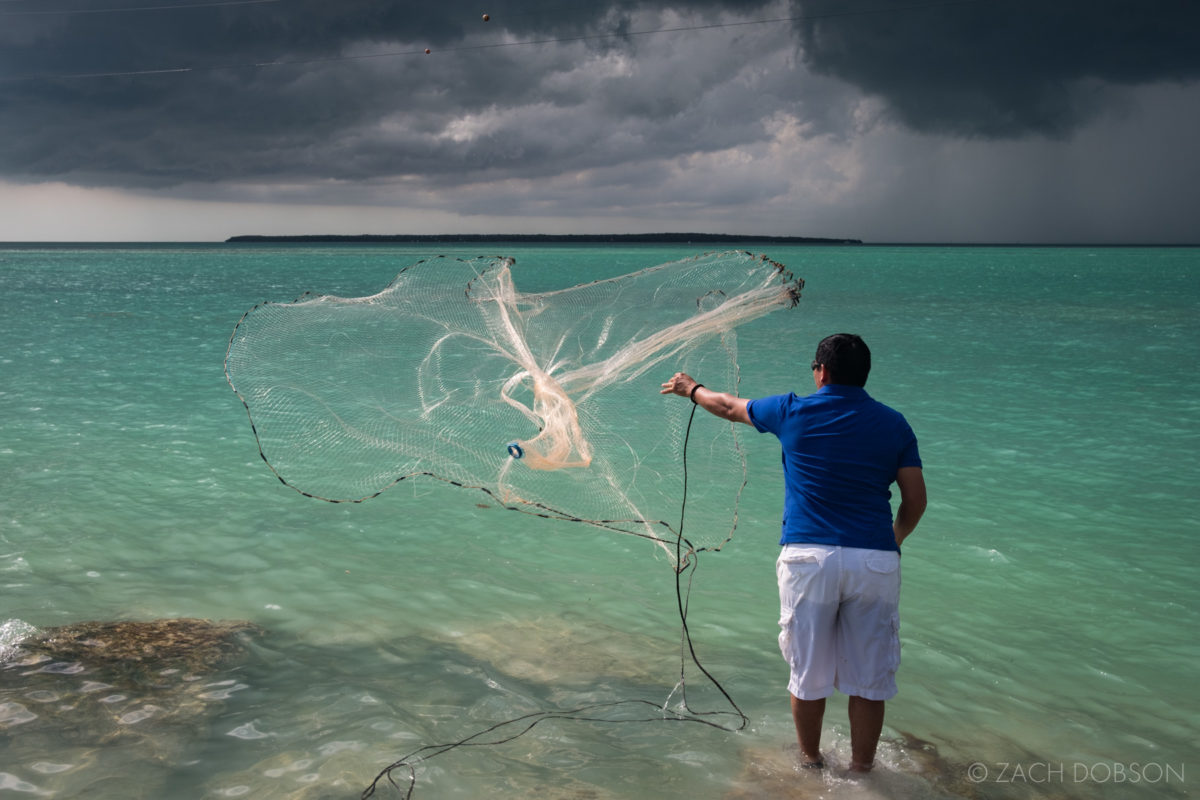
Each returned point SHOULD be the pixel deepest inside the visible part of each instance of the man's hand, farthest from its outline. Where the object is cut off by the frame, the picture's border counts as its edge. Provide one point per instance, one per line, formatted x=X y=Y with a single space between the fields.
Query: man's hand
x=720 y=404
x=681 y=384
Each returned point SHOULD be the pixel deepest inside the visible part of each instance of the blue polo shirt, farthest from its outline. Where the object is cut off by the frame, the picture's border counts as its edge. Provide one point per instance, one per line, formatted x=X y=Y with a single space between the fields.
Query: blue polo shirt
x=841 y=451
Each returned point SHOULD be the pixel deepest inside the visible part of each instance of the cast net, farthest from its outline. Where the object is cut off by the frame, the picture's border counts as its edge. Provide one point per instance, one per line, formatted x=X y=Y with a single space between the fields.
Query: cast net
x=547 y=402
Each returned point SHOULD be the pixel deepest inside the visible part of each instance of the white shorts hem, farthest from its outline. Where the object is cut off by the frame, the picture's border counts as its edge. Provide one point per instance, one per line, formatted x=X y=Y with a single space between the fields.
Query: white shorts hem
x=867 y=694
x=809 y=694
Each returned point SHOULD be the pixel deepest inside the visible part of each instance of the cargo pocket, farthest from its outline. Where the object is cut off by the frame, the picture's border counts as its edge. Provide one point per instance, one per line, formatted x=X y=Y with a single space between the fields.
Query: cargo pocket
x=883 y=575
x=892 y=654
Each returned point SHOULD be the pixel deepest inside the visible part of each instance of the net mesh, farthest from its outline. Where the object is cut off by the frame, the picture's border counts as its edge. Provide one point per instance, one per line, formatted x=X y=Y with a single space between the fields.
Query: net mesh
x=539 y=400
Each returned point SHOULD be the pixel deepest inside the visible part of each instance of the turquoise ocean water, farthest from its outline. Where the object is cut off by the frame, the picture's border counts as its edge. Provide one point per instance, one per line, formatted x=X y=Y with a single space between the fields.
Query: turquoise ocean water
x=1050 y=604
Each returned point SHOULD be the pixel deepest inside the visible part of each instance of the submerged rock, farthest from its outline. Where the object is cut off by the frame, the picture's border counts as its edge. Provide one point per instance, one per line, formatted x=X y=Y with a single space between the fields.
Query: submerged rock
x=186 y=644
x=114 y=698
x=96 y=679
x=556 y=650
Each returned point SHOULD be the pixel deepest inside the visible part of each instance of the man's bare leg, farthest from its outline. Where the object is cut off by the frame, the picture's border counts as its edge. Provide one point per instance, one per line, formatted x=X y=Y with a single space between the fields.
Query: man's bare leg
x=808 y=715
x=866 y=724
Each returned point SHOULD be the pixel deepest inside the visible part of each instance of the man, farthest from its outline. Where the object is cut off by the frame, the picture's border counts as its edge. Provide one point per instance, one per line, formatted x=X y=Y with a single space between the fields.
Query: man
x=839 y=568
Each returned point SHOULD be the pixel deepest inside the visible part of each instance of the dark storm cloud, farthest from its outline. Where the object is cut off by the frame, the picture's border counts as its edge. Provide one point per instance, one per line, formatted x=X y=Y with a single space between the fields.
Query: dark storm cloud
x=332 y=109
x=596 y=92
x=1001 y=68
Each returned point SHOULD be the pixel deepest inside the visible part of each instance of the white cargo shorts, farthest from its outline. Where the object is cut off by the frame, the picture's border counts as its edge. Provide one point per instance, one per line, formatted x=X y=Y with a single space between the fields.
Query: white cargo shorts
x=839 y=620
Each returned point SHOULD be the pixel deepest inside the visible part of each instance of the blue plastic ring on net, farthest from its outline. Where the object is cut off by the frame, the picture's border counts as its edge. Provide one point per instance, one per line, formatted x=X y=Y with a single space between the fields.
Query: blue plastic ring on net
x=514 y=450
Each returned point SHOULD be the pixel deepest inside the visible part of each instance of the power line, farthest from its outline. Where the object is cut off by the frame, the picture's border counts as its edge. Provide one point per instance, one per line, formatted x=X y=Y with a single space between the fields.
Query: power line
x=466 y=48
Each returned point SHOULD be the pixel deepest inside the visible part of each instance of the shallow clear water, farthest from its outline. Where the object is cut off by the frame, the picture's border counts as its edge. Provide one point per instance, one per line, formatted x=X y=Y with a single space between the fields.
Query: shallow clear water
x=1049 y=606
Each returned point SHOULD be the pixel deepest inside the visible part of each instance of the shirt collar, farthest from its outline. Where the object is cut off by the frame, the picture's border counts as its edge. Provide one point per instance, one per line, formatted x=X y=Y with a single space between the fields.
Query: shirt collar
x=842 y=390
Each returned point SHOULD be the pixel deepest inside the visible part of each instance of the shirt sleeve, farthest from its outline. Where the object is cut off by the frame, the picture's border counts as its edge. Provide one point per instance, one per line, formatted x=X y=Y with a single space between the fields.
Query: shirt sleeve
x=767 y=413
x=910 y=456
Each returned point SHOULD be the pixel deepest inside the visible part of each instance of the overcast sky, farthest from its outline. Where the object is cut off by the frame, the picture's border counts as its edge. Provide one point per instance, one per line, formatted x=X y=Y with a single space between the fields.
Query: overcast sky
x=885 y=120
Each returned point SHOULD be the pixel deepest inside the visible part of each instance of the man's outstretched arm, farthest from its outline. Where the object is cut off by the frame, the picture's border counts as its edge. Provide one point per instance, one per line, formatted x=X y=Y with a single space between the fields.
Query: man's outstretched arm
x=721 y=404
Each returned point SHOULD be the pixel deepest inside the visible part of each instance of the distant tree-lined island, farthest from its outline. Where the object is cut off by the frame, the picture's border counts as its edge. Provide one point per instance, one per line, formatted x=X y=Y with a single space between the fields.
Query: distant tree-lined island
x=537 y=238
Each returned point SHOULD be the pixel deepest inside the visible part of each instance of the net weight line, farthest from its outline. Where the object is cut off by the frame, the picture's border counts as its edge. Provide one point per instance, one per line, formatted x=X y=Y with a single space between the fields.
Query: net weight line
x=685 y=562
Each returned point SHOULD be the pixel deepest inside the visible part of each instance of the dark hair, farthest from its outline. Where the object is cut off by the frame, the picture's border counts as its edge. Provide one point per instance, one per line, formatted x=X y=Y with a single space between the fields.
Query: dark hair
x=847 y=358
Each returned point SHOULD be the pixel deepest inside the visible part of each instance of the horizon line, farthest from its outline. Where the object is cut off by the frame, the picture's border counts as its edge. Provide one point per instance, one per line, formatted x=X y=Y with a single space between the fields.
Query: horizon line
x=589 y=238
